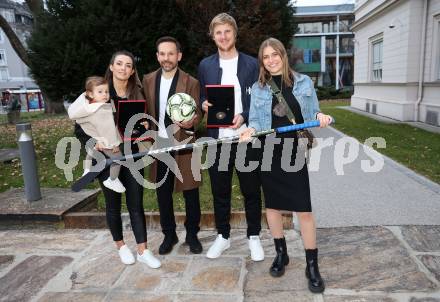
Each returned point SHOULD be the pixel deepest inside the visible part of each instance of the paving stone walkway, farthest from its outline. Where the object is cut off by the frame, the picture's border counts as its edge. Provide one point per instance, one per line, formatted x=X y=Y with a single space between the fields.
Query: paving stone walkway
x=394 y=195
x=363 y=264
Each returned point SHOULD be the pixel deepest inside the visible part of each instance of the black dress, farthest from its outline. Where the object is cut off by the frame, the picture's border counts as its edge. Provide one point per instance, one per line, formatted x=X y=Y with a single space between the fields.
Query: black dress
x=285 y=190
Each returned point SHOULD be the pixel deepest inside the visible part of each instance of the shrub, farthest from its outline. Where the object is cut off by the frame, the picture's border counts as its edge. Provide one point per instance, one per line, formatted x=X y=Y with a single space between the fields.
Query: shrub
x=325 y=93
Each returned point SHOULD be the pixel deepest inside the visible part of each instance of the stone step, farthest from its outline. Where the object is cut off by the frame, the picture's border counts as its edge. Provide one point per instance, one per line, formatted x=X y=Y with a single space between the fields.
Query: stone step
x=7 y=155
x=96 y=220
x=55 y=202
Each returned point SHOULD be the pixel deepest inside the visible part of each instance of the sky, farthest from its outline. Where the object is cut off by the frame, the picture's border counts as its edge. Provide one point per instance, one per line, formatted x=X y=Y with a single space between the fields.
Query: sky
x=321 y=2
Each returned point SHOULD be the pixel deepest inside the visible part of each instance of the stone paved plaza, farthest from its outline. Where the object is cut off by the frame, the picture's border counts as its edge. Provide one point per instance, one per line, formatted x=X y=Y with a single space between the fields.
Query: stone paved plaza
x=363 y=264
x=378 y=239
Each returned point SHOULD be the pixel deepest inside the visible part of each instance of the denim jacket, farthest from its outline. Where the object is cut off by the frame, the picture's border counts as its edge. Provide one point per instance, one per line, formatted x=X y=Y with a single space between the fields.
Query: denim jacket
x=260 y=112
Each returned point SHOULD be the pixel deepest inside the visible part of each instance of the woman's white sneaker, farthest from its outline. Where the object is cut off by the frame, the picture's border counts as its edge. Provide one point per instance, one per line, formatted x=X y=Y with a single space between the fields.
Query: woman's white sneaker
x=220 y=244
x=126 y=255
x=114 y=184
x=148 y=258
x=257 y=252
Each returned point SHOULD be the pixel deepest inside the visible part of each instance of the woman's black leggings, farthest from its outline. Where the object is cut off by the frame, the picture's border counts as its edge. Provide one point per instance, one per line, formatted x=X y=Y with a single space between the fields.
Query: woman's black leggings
x=133 y=198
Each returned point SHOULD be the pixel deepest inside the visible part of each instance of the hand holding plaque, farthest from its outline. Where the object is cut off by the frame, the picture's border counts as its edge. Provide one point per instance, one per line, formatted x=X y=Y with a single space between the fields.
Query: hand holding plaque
x=126 y=109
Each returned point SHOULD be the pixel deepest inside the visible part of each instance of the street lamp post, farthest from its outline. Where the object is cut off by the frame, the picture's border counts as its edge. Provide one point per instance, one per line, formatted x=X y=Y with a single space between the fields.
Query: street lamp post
x=28 y=161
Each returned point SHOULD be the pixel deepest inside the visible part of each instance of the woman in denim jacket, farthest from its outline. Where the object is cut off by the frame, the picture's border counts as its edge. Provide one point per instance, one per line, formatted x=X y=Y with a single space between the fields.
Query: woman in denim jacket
x=285 y=190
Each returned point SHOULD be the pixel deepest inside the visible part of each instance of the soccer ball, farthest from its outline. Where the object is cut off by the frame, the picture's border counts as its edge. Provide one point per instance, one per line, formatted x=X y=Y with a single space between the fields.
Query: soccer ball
x=181 y=107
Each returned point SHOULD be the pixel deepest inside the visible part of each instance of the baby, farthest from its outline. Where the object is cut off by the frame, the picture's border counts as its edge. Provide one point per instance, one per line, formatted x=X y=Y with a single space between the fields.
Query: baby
x=92 y=111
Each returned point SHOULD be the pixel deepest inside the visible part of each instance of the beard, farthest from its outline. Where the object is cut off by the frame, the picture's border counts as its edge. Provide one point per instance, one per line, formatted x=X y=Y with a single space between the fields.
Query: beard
x=229 y=47
x=168 y=66
x=226 y=49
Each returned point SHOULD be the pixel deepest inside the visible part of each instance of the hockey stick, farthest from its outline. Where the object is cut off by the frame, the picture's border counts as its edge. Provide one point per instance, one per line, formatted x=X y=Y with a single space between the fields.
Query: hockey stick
x=82 y=182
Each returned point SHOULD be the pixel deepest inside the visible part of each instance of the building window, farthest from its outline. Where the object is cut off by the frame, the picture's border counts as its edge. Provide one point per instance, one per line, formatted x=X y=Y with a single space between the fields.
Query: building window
x=435 y=49
x=27 y=20
x=18 y=19
x=344 y=25
x=346 y=45
x=330 y=45
x=377 y=58
x=8 y=15
x=4 y=74
x=438 y=48
x=310 y=28
x=306 y=54
x=2 y=57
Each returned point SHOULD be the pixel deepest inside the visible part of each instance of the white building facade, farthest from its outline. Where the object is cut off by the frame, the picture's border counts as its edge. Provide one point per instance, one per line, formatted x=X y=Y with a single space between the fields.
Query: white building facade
x=397 y=65
x=14 y=74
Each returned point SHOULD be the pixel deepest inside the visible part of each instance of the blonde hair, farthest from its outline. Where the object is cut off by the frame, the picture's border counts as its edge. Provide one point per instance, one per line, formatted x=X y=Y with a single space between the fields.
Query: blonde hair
x=286 y=72
x=220 y=19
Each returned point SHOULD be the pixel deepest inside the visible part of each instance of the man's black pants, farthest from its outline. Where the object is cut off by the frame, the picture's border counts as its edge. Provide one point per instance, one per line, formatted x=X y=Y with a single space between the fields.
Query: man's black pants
x=221 y=186
x=165 y=201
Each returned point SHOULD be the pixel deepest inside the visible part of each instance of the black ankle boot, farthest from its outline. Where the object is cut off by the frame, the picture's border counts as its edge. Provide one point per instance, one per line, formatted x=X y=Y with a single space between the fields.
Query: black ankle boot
x=316 y=284
x=281 y=259
x=168 y=242
x=194 y=243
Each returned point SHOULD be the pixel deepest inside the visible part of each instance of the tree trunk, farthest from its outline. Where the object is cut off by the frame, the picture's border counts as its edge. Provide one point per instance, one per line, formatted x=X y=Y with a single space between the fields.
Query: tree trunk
x=36 y=7
x=53 y=107
x=13 y=116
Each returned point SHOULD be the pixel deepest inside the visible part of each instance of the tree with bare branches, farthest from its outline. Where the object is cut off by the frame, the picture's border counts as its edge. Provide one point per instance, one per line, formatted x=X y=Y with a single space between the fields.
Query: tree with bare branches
x=73 y=39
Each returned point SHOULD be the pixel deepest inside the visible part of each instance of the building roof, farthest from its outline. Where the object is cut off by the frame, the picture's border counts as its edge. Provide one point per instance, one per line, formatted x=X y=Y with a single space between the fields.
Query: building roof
x=20 y=8
x=324 y=10
x=7 y=4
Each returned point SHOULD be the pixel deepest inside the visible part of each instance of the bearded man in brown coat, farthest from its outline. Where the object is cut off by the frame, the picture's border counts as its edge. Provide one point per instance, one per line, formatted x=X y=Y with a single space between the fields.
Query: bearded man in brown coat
x=158 y=87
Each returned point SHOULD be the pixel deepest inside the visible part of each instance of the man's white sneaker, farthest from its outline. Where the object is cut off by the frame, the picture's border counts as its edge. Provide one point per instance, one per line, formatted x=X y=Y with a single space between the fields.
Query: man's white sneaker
x=257 y=252
x=114 y=184
x=148 y=258
x=220 y=244
x=126 y=255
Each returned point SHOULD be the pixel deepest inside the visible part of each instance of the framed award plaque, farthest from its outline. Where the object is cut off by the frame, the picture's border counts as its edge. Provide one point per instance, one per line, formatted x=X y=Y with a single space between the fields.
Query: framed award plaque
x=222 y=98
x=125 y=110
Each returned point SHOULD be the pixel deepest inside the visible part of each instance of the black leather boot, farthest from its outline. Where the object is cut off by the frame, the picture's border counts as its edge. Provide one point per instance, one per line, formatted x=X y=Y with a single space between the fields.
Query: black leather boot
x=168 y=242
x=316 y=284
x=281 y=259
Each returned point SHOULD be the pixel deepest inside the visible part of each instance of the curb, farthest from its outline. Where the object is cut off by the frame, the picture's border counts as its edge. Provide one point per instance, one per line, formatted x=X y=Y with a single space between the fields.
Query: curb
x=97 y=220
x=53 y=205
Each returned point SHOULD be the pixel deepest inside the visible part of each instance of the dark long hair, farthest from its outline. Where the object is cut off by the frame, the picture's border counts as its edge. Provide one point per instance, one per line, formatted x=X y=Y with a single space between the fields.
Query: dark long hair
x=133 y=80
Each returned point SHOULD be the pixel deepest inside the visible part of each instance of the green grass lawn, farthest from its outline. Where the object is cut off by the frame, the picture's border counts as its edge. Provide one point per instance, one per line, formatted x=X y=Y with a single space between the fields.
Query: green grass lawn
x=47 y=131
x=413 y=147
x=24 y=116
